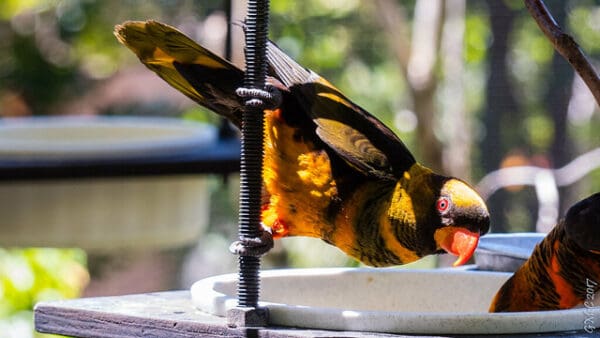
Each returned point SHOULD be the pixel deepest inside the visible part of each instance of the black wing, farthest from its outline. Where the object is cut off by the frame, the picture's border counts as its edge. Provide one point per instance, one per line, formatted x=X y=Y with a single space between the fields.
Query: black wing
x=352 y=132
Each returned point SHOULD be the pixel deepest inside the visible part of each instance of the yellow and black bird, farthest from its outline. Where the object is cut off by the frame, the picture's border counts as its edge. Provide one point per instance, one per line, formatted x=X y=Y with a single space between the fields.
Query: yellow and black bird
x=563 y=270
x=331 y=170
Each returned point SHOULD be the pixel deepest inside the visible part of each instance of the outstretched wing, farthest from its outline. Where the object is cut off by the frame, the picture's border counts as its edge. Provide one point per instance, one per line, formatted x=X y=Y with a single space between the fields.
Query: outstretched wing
x=357 y=136
x=190 y=68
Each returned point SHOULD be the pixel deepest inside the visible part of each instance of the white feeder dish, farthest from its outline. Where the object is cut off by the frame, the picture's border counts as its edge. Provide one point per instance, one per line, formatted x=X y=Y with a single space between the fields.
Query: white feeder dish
x=386 y=300
x=507 y=251
x=101 y=213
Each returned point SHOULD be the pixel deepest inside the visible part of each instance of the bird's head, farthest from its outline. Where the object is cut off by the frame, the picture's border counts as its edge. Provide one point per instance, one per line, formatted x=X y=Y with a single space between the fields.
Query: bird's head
x=435 y=214
x=462 y=216
x=582 y=223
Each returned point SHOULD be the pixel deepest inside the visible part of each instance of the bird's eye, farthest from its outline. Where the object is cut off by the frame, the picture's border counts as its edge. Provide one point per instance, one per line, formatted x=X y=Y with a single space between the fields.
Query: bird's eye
x=442 y=204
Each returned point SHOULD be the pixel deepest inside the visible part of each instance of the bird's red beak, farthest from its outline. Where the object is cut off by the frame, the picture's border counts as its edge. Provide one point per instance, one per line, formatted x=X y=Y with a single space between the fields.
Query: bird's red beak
x=457 y=241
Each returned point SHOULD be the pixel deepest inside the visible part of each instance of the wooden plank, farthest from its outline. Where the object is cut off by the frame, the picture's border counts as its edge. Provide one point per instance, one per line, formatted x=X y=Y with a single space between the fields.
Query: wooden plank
x=168 y=314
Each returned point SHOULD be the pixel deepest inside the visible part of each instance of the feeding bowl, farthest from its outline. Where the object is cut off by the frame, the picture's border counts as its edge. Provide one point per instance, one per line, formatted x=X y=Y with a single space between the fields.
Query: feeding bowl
x=98 y=137
x=505 y=252
x=442 y=301
x=95 y=211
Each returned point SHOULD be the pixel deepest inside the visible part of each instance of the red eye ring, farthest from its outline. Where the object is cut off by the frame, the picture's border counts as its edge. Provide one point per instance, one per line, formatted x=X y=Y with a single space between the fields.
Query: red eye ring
x=442 y=204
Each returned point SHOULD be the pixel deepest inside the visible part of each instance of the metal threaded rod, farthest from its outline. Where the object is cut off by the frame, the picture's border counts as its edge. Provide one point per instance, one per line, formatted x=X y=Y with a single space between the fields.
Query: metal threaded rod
x=252 y=150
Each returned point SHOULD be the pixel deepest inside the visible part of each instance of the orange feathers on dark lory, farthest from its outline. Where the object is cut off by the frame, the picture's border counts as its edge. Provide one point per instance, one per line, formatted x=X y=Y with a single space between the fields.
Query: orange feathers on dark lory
x=331 y=169
x=563 y=270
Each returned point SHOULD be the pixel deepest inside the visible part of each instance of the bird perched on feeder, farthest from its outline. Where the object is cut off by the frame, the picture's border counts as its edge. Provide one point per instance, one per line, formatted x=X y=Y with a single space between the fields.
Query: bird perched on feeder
x=331 y=170
x=563 y=270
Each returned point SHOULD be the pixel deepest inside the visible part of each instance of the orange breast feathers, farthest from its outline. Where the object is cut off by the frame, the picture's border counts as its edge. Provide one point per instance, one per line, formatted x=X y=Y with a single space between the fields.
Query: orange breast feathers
x=556 y=276
x=298 y=182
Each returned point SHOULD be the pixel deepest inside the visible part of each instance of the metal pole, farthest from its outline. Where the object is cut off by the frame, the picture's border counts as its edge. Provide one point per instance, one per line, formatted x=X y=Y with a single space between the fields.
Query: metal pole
x=248 y=314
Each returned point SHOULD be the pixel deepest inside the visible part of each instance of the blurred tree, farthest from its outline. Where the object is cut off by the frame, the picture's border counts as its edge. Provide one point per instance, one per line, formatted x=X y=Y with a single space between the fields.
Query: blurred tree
x=556 y=102
x=500 y=111
x=458 y=140
x=417 y=58
x=529 y=91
